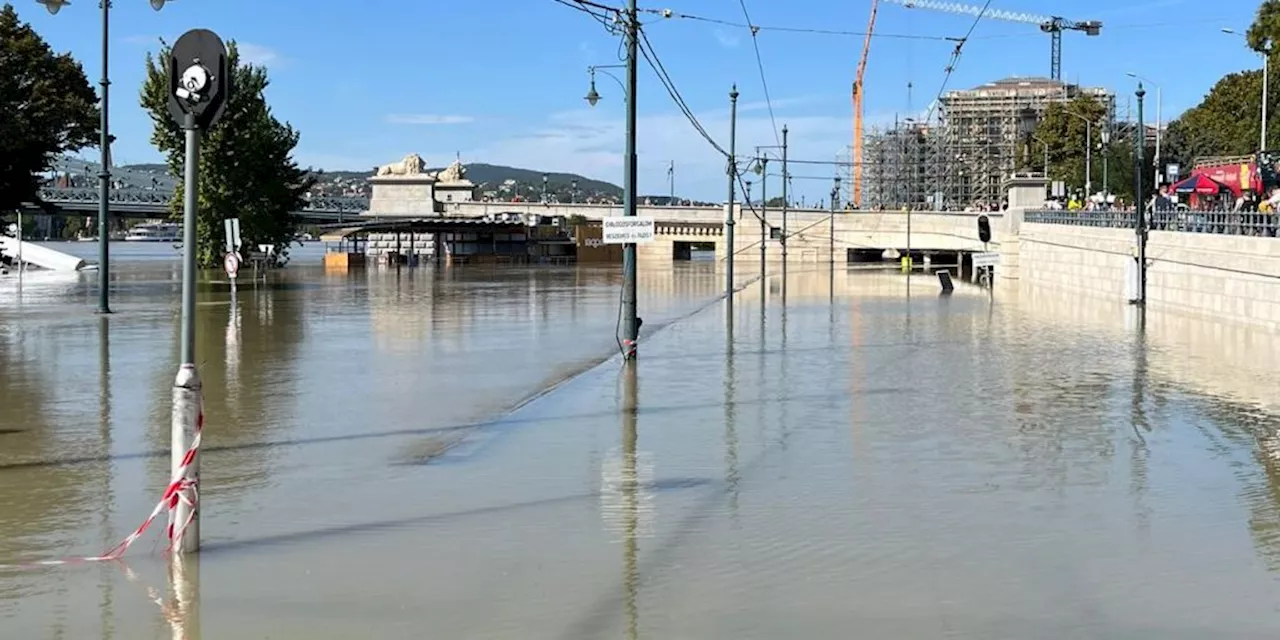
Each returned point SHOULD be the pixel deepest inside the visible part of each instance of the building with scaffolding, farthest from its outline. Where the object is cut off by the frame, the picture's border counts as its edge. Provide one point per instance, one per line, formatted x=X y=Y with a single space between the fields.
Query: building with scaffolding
x=962 y=160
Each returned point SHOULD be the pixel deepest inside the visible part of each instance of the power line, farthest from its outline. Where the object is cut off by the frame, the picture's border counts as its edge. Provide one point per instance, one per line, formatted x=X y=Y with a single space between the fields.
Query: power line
x=955 y=59
x=608 y=20
x=816 y=31
x=651 y=56
x=755 y=44
x=646 y=49
x=588 y=3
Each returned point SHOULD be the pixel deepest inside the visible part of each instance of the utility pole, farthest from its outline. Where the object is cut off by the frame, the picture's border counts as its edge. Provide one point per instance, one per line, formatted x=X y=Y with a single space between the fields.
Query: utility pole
x=104 y=178
x=1088 y=159
x=671 y=183
x=728 y=209
x=104 y=149
x=1140 y=222
x=763 y=163
x=631 y=321
x=835 y=195
x=785 y=178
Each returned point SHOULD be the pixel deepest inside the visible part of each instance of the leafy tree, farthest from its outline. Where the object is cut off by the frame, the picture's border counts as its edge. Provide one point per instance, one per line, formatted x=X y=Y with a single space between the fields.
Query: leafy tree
x=1066 y=137
x=1229 y=119
x=1226 y=122
x=246 y=167
x=1265 y=30
x=47 y=108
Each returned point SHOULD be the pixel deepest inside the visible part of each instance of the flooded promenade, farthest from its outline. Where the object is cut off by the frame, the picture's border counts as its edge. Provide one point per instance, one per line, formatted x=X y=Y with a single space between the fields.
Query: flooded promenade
x=864 y=459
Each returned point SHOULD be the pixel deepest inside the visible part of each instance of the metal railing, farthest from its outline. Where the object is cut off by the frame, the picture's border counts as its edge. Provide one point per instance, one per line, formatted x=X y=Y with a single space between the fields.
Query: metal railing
x=1237 y=223
x=161 y=198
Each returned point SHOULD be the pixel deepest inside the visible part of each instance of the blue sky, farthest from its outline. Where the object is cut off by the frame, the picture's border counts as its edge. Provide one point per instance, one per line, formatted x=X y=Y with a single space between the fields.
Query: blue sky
x=502 y=81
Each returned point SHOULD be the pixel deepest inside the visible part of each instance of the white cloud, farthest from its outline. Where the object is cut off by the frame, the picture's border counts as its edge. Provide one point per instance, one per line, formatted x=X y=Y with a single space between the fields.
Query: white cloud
x=590 y=142
x=428 y=118
x=258 y=54
x=141 y=40
x=726 y=39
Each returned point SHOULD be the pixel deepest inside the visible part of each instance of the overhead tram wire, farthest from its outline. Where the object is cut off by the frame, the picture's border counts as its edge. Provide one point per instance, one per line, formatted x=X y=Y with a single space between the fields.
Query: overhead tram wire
x=827 y=32
x=594 y=9
x=955 y=59
x=586 y=7
x=646 y=49
x=755 y=44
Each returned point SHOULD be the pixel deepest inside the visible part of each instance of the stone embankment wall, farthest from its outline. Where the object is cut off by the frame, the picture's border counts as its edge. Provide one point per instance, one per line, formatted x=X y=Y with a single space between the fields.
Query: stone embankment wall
x=1219 y=276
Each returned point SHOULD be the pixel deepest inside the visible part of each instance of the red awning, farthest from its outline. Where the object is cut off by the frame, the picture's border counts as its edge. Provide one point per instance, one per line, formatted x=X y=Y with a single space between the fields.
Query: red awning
x=1199 y=184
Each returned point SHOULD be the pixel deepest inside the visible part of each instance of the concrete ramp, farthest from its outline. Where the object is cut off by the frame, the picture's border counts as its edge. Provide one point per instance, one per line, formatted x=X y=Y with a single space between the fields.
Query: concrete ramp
x=39 y=256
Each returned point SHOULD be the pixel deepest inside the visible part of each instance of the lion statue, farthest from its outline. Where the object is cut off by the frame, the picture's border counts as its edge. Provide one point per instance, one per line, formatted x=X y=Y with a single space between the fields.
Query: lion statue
x=411 y=164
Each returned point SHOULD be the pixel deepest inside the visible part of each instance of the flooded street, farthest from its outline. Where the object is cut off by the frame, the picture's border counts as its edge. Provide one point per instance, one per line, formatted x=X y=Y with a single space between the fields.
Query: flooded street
x=459 y=453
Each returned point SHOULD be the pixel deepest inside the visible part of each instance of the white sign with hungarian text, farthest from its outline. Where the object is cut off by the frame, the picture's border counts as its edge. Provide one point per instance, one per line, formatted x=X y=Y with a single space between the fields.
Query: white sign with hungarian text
x=627 y=230
x=986 y=259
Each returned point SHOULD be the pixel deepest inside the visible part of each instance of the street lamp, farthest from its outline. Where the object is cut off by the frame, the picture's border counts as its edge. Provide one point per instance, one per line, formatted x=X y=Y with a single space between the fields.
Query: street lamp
x=593 y=97
x=831 y=231
x=1159 y=102
x=1106 y=158
x=573 y=192
x=1266 y=64
x=628 y=317
x=1088 y=152
x=104 y=149
x=544 y=188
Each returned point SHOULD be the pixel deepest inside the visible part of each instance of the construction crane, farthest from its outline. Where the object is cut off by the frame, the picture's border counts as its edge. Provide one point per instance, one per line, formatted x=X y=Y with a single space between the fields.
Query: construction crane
x=1052 y=25
x=857 y=108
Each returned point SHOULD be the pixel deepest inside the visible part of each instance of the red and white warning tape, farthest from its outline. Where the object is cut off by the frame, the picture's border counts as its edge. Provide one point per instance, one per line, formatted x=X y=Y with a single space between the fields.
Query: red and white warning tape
x=180 y=490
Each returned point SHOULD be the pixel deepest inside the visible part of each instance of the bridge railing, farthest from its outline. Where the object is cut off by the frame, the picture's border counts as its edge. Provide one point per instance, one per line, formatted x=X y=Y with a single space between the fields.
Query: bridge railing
x=1238 y=223
x=161 y=198
x=57 y=195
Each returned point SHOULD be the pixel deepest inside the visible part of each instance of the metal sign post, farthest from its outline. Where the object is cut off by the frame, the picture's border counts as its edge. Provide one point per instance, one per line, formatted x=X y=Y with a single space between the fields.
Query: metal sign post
x=199 y=84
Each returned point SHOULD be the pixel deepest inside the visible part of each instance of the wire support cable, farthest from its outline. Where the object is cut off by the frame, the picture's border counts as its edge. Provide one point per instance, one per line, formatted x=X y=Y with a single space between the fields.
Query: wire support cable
x=955 y=59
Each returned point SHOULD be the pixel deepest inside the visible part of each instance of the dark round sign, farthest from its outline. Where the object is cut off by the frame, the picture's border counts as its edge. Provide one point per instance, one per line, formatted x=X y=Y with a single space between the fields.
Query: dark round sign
x=199 y=79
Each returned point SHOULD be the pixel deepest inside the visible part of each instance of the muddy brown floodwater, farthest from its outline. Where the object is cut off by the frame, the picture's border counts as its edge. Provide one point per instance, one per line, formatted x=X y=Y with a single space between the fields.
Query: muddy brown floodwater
x=869 y=459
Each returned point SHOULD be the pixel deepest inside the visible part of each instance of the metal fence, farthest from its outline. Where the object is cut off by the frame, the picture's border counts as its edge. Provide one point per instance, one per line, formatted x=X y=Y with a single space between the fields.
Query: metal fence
x=1236 y=223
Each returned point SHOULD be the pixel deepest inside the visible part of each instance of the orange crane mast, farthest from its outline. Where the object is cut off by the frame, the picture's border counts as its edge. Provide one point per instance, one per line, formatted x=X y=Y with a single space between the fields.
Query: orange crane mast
x=857 y=108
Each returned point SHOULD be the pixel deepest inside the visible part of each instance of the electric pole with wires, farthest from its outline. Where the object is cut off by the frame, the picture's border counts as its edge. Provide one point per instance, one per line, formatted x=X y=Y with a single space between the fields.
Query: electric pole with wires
x=728 y=207
x=630 y=320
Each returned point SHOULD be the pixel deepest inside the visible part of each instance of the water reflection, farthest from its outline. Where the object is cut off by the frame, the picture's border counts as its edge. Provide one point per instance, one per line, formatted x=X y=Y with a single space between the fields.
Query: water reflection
x=182 y=611
x=914 y=466
x=109 y=539
x=631 y=493
x=731 y=476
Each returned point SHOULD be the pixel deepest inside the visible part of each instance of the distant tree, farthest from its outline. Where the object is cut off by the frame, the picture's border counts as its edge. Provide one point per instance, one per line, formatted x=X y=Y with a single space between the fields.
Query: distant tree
x=1064 y=130
x=47 y=108
x=1265 y=30
x=1066 y=138
x=1229 y=119
x=246 y=165
x=1226 y=122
